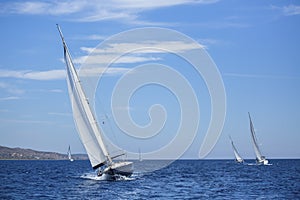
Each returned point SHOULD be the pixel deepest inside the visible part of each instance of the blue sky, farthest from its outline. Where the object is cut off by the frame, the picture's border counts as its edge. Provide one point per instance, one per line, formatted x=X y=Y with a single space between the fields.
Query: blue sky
x=255 y=45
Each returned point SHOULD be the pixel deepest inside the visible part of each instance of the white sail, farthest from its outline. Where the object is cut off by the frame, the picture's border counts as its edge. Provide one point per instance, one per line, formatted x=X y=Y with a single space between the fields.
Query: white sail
x=85 y=121
x=259 y=157
x=69 y=154
x=238 y=158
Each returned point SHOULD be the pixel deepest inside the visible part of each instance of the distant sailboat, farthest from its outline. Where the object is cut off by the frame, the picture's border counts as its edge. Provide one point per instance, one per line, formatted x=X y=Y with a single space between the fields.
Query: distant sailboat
x=88 y=128
x=238 y=158
x=260 y=159
x=140 y=155
x=69 y=154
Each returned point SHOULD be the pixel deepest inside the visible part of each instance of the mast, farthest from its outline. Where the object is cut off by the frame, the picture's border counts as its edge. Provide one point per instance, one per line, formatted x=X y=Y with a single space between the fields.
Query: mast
x=86 y=123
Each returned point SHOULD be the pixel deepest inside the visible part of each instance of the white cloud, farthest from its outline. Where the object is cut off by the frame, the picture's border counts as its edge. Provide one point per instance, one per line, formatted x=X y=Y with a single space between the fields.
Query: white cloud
x=109 y=58
x=145 y=47
x=116 y=53
x=9 y=98
x=60 y=114
x=133 y=4
x=95 y=10
x=92 y=71
x=264 y=76
x=11 y=89
x=33 y=75
x=14 y=121
x=56 y=91
x=42 y=8
x=140 y=52
x=91 y=37
x=291 y=10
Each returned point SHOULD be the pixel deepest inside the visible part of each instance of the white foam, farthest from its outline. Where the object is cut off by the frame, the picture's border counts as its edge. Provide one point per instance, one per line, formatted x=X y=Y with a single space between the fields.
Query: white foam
x=258 y=164
x=93 y=176
x=105 y=177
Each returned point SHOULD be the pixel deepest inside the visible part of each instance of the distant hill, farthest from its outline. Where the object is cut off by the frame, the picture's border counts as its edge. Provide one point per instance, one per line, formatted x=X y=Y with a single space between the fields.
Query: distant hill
x=7 y=153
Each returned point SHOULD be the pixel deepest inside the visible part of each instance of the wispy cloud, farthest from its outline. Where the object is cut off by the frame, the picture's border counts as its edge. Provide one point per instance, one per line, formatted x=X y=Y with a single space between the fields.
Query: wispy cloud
x=259 y=76
x=158 y=46
x=289 y=10
x=9 y=98
x=117 y=53
x=43 y=8
x=11 y=89
x=127 y=11
x=33 y=75
x=95 y=71
x=108 y=58
x=90 y=37
x=16 y=121
x=60 y=114
x=56 y=91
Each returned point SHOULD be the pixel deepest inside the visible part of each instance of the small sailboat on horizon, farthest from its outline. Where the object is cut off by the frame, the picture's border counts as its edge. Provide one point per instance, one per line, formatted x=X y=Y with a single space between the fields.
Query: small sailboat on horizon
x=140 y=155
x=238 y=157
x=69 y=154
x=88 y=127
x=260 y=159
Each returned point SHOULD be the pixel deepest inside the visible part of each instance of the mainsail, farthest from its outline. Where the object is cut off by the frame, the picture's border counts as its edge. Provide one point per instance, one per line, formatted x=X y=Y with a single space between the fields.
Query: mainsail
x=69 y=154
x=238 y=158
x=259 y=157
x=86 y=124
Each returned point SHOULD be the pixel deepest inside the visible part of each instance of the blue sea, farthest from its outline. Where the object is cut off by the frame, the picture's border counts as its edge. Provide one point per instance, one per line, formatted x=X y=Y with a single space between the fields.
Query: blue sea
x=183 y=179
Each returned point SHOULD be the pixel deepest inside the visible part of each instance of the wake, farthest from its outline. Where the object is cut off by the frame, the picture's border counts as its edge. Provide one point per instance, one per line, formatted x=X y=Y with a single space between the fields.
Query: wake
x=254 y=164
x=105 y=177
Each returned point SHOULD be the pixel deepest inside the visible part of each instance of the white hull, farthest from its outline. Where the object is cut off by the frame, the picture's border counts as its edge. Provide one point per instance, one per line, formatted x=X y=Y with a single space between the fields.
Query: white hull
x=263 y=162
x=118 y=169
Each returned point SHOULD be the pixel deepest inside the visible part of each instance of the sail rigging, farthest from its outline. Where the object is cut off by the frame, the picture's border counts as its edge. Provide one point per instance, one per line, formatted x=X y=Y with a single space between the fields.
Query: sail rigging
x=259 y=157
x=238 y=158
x=85 y=121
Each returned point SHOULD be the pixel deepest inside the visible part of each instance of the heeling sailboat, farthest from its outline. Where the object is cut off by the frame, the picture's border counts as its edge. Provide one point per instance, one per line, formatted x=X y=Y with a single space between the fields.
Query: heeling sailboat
x=87 y=126
x=69 y=154
x=260 y=159
x=238 y=158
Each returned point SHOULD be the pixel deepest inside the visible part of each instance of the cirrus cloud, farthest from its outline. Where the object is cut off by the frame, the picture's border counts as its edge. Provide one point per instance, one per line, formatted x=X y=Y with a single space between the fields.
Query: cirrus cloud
x=33 y=75
x=127 y=11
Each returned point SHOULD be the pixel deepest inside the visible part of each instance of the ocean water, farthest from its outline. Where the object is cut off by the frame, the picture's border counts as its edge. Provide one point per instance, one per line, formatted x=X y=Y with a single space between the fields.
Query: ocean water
x=183 y=179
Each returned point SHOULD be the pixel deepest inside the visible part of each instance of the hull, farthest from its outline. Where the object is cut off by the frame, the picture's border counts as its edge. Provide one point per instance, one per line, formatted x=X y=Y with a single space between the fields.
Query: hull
x=262 y=162
x=239 y=161
x=119 y=169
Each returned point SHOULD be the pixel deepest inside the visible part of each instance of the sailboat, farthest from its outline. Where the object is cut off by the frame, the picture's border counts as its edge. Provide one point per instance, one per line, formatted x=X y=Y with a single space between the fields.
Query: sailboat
x=238 y=158
x=260 y=159
x=140 y=155
x=69 y=154
x=88 y=127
